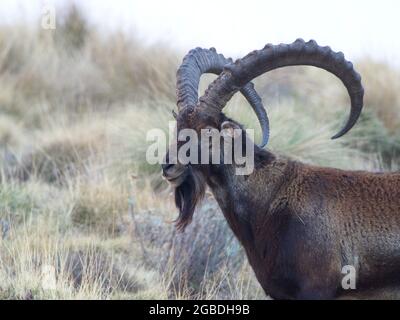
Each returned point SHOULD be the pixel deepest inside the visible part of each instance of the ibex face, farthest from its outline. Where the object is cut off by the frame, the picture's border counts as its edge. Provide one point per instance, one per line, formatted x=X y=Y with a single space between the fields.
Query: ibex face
x=190 y=179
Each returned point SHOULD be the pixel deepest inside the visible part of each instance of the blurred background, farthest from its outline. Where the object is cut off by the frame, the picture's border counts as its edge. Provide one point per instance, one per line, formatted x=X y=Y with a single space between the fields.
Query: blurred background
x=82 y=214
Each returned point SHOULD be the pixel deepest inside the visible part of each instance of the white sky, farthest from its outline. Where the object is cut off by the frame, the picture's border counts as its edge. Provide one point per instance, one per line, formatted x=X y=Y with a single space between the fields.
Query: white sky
x=356 y=27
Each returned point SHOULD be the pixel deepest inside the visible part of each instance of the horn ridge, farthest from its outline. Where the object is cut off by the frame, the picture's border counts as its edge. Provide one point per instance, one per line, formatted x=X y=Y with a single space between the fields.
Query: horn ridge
x=199 y=61
x=272 y=57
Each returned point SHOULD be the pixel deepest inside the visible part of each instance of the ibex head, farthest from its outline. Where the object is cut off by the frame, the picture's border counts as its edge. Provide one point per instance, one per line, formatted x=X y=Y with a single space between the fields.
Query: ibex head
x=190 y=179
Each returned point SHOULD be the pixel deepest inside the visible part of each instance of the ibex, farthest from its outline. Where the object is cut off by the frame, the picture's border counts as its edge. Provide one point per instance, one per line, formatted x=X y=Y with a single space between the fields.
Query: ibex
x=299 y=224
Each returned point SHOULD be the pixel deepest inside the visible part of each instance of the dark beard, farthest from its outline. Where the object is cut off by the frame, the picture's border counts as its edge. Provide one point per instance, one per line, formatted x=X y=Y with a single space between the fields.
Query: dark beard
x=187 y=195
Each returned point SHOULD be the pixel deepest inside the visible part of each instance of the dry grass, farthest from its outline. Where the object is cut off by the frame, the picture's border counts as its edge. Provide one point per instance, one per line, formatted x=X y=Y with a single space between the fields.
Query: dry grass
x=100 y=207
x=84 y=216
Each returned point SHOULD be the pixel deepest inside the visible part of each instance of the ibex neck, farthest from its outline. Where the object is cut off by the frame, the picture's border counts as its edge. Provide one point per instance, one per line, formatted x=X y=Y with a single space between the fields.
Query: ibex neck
x=243 y=199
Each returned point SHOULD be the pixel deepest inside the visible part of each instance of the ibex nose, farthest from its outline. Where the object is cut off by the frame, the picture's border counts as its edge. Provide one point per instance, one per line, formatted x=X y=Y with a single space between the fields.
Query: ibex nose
x=168 y=162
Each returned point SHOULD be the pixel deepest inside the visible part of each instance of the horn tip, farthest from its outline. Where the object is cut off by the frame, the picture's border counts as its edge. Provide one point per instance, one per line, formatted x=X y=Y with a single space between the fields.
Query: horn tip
x=340 y=134
x=264 y=142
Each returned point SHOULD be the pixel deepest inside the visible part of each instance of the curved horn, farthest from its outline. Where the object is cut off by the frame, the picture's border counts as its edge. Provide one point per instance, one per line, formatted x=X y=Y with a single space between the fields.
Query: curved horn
x=273 y=57
x=199 y=61
x=255 y=101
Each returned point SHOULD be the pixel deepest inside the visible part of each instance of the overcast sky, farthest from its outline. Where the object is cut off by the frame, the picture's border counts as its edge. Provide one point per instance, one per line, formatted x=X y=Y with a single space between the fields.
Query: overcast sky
x=356 y=27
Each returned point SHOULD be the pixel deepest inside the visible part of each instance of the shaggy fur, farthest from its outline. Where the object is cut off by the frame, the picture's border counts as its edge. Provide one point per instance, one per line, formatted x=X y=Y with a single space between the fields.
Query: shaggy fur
x=187 y=196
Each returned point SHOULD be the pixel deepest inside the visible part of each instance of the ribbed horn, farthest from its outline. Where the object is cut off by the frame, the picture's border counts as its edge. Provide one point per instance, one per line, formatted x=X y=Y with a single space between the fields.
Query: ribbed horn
x=199 y=61
x=272 y=57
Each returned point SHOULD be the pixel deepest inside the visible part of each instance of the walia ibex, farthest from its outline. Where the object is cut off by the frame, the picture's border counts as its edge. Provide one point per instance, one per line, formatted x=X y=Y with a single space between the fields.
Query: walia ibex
x=299 y=224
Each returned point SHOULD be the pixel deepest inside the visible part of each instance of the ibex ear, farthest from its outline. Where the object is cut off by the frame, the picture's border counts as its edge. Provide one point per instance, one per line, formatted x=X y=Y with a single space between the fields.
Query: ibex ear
x=228 y=129
x=174 y=114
